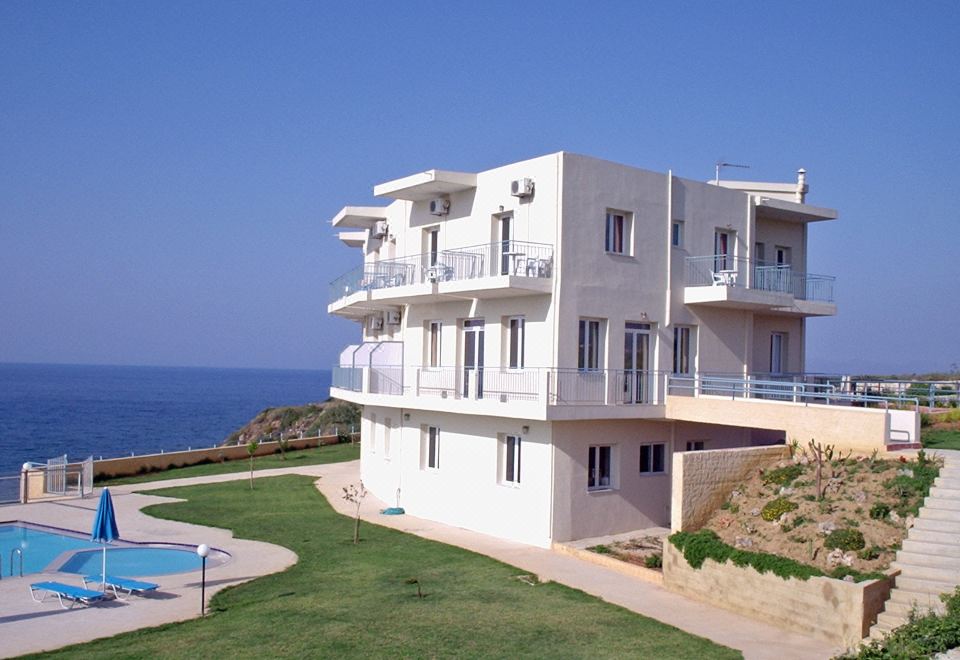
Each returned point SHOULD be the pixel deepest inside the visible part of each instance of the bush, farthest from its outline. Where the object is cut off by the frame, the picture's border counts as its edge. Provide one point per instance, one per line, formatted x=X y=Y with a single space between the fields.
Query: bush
x=845 y=539
x=773 y=509
x=783 y=476
x=653 y=561
x=600 y=549
x=879 y=511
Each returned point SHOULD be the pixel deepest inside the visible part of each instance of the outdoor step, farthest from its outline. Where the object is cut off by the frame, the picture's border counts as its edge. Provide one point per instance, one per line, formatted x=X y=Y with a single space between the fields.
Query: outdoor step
x=891 y=620
x=947 y=482
x=939 y=514
x=932 y=525
x=946 y=493
x=950 y=547
x=950 y=574
x=904 y=609
x=930 y=560
x=901 y=598
x=918 y=533
x=950 y=471
x=925 y=585
x=944 y=503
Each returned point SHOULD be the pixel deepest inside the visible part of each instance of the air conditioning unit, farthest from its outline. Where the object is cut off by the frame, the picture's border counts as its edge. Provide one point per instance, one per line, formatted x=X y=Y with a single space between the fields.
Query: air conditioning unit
x=521 y=187
x=376 y=323
x=393 y=318
x=439 y=206
x=381 y=229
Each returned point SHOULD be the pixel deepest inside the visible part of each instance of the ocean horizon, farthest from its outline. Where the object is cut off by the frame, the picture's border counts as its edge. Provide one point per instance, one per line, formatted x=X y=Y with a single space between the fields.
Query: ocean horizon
x=48 y=410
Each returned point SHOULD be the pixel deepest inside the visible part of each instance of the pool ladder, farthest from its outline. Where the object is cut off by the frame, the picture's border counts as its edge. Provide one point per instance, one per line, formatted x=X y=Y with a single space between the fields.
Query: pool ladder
x=15 y=552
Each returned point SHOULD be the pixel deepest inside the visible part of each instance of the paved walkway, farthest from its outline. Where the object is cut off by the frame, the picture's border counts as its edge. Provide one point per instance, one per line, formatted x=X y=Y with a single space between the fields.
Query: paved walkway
x=26 y=626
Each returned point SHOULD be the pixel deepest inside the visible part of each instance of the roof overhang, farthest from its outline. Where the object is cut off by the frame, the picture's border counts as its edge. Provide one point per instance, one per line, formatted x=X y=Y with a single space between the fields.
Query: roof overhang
x=361 y=217
x=353 y=238
x=778 y=209
x=426 y=185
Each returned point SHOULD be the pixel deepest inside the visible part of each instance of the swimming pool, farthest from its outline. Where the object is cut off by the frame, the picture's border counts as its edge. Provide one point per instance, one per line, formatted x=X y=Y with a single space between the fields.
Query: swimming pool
x=51 y=549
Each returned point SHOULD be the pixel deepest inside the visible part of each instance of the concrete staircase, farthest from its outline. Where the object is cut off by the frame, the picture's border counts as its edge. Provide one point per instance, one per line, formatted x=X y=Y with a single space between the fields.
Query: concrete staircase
x=929 y=559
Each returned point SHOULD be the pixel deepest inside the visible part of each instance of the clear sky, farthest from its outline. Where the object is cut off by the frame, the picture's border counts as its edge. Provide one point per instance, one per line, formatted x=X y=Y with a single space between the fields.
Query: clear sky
x=167 y=169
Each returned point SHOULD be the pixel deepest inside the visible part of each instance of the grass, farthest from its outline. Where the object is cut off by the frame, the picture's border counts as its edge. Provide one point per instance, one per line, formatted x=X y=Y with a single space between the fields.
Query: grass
x=941 y=439
x=346 y=600
x=297 y=458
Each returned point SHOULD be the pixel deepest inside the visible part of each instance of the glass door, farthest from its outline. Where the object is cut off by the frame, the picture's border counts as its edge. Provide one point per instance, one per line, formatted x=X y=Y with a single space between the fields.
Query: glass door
x=473 y=356
x=722 y=251
x=506 y=236
x=636 y=363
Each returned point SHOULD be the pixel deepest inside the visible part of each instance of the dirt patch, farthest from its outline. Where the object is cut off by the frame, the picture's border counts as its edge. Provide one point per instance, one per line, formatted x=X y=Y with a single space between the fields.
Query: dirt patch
x=646 y=551
x=858 y=517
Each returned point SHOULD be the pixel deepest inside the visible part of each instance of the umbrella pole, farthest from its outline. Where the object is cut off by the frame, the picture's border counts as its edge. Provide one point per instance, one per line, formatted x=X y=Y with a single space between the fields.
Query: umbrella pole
x=103 y=571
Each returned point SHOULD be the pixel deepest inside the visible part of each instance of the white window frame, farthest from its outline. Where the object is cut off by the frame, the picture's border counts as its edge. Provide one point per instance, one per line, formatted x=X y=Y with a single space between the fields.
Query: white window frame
x=590 y=345
x=625 y=234
x=431 y=459
x=432 y=245
x=676 y=234
x=516 y=327
x=434 y=357
x=510 y=448
x=649 y=468
x=595 y=455
x=682 y=344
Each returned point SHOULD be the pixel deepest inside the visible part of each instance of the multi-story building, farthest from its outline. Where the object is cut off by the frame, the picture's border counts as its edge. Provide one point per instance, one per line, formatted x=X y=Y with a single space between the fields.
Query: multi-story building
x=539 y=339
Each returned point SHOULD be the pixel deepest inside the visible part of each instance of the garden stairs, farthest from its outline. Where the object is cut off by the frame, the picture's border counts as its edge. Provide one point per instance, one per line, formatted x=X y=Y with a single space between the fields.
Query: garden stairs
x=929 y=559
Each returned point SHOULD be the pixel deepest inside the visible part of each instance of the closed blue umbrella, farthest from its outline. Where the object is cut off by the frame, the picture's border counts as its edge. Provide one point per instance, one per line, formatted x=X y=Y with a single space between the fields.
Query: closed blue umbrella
x=104 y=529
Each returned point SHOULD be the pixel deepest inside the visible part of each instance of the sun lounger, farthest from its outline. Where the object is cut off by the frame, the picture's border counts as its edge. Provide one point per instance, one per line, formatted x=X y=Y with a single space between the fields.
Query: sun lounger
x=64 y=591
x=121 y=585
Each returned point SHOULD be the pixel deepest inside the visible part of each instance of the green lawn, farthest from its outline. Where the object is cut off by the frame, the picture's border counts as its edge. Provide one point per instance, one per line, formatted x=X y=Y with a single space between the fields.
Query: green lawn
x=342 y=600
x=941 y=439
x=315 y=456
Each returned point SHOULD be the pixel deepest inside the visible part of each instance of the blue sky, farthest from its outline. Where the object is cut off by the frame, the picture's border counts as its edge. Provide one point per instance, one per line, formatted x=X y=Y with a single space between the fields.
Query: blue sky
x=167 y=169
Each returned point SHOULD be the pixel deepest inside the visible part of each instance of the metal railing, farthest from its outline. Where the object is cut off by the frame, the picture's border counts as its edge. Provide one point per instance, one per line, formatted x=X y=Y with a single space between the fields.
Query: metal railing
x=605 y=387
x=727 y=270
x=797 y=388
x=10 y=489
x=516 y=258
x=932 y=393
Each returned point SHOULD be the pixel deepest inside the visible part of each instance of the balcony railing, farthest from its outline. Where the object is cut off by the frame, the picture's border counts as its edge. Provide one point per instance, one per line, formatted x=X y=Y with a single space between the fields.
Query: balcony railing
x=795 y=388
x=726 y=270
x=517 y=258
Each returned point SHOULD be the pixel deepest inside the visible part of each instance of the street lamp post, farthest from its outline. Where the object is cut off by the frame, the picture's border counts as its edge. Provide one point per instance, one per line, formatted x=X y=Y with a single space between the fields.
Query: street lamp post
x=203 y=550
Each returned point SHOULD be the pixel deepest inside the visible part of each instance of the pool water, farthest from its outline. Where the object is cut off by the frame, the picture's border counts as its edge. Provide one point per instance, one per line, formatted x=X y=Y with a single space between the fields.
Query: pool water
x=44 y=550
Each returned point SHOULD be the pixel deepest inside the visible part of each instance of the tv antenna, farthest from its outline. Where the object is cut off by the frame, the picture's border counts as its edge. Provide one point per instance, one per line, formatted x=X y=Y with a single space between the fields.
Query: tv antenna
x=720 y=164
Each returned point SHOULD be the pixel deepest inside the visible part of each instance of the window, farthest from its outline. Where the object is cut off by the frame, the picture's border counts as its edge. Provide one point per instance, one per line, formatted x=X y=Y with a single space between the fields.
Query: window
x=589 y=345
x=511 y=460
x=599 y=475
x=783 y=255
x=516 y=330
x=676 y=234
x=618 y=232
x=681 y=350
x=432 y=245
x=723 y=243
x=778 y=352
x=652 y=458
x=387 y=423
x=506 y=234
x=434 y=329
x=431 y=448
x=759 y=253
x=695 y=445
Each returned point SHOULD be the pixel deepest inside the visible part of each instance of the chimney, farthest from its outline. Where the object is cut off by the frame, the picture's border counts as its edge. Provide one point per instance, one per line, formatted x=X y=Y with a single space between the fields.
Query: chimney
x=802 y=186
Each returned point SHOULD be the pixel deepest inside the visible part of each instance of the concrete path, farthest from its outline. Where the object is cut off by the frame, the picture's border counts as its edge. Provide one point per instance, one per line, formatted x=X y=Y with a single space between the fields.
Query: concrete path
x=26 y=626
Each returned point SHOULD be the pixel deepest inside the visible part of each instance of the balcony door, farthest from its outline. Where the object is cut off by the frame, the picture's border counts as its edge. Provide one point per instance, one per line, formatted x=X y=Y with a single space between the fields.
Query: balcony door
x=723 y=244
x=636 y=363
x=778 y=352
x=473 y=357
x=506 y=238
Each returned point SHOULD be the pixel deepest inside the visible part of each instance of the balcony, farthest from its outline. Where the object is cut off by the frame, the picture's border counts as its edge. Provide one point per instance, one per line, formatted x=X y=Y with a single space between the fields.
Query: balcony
x=500 y=269
x=738 y=283
x=535 y=393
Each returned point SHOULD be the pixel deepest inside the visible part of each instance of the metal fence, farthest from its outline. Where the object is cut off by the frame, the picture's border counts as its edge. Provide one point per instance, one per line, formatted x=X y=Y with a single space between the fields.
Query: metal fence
x=727 y=270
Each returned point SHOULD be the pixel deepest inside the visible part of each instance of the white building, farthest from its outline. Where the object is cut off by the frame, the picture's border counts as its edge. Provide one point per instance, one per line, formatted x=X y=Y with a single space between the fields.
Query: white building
x=539 y=339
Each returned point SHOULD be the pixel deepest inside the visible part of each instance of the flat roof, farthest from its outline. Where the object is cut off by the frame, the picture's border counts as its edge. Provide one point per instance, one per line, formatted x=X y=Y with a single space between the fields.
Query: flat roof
x=353 y=238
x=362 y=217
x=426 y=185
x=779 y=209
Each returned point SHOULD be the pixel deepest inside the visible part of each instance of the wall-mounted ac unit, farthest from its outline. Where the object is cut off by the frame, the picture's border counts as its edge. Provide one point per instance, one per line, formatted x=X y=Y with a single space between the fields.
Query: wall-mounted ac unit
x=439 y=206
x=393 y=318
x=375 y=324
x=521 y=187
x=381 y=229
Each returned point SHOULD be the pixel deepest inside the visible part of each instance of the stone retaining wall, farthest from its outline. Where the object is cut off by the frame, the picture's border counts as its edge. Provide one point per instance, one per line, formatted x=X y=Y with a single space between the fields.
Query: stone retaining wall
x=702 y=480
x=837 y=611
x=132 y=465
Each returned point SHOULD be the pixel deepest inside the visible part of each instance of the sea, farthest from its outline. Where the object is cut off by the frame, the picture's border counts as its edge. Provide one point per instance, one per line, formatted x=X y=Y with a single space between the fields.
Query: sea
x=48 y=410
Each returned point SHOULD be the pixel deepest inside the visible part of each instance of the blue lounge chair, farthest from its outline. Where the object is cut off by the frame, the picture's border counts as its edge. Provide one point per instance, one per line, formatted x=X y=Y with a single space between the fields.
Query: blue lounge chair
x=121 y=585
x=64 y=591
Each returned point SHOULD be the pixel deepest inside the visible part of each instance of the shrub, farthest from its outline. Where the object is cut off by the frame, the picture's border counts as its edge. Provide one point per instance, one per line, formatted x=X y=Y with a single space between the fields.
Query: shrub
x=845 y=539
x=783 y=476
x=600 y=549
x=871 y=553
x=773 y=509
x=653 y=561
x=879 y=511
